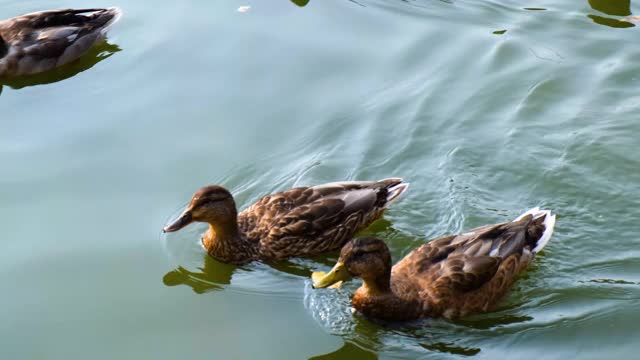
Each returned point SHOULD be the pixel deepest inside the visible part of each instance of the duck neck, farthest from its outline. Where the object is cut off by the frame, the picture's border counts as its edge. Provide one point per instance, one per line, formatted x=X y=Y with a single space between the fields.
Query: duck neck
x=376 y=299
x=225 y=242
x=379 y=285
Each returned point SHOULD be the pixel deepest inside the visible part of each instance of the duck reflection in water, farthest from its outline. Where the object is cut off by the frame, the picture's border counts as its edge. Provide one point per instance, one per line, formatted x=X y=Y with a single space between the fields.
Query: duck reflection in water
x=367 y=337
x=301 y=3
x=212 y=276
x=349 y=350
x=435 y=336
x=97 y=54
x=614 y=8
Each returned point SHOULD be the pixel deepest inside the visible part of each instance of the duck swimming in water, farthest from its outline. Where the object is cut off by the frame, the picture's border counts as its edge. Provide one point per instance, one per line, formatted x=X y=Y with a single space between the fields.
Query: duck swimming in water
x=41 y=41
x=304 y=221
x=452 y=276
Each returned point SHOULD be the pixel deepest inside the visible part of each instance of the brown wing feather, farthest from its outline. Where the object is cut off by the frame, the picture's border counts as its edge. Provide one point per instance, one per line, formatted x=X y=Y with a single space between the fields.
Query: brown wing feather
x=310 y=220
x=468 y=272
x=462 y=273
x=257 y=220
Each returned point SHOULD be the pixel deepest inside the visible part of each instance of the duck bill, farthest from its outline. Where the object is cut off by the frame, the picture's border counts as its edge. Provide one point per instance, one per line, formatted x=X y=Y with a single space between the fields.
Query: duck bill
x=337 y=274
x=182 y=221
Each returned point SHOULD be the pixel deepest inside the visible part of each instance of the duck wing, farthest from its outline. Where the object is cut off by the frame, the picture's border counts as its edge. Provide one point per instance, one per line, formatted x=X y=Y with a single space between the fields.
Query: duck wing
x=44 y=40
x=310 y=220
x=464 y=273
x=459 y=264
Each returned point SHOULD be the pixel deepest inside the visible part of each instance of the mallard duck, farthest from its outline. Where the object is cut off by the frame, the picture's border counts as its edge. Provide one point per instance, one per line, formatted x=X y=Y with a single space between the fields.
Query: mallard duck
x=41 y=41
x=304 y=221
x=449 y=277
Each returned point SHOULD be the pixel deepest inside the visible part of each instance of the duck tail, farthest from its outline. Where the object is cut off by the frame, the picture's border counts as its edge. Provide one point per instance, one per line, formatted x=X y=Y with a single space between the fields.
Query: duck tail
x=395 y=187
x=549 y=223
x=103 y=19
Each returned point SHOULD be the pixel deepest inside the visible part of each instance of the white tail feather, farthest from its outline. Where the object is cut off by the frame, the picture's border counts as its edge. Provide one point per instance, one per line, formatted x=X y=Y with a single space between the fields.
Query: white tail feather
x=116 y=17
x=549 y=223
x=395 y=191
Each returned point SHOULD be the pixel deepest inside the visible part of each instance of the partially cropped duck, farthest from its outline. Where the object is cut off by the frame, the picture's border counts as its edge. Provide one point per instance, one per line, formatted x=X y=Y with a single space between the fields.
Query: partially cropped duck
x=449 y=277
x=304 y=221
x=41 y=41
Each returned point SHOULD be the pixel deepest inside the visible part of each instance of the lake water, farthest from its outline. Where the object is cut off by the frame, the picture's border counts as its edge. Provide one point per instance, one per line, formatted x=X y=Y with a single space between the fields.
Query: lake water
x=487 y=107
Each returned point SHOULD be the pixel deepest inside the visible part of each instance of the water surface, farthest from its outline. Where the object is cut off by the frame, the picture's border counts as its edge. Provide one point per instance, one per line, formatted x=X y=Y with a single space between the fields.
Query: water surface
x=487 y=107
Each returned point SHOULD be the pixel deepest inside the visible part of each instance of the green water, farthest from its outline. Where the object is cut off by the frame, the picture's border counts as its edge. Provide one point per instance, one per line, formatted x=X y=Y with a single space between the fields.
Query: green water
x=486 y=107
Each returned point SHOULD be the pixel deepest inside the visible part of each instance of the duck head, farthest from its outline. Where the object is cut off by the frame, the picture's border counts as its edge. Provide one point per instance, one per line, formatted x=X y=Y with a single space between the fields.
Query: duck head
x=211 y=204
x=366 y=258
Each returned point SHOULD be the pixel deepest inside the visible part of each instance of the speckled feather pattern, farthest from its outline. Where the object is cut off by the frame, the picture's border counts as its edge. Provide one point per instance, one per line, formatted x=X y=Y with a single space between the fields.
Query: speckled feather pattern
x=308 y=221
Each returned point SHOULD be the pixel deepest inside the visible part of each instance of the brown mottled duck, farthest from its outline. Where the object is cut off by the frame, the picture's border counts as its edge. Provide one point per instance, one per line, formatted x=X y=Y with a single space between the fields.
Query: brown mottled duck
x=41 y=41
x=304 y=221
x=449 y=277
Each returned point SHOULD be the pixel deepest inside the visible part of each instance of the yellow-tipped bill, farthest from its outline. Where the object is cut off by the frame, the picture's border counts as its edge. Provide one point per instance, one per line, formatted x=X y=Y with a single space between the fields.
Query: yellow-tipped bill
x=317 y=275
x=333 y=279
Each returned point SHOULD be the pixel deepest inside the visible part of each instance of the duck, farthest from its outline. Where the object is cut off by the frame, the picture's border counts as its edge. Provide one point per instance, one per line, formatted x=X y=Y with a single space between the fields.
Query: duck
x=41 y=41
x=450 y=277
x=301 y=222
